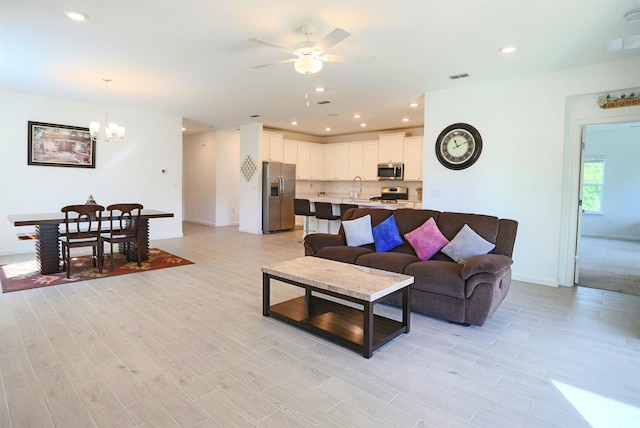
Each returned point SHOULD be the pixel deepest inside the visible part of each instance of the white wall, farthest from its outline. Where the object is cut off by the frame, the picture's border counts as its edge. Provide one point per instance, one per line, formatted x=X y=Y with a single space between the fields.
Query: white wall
x=199 y=186
x=521 y=172
x=128 y=171
x=620 y=216
x=250 y=215
x=228 y=178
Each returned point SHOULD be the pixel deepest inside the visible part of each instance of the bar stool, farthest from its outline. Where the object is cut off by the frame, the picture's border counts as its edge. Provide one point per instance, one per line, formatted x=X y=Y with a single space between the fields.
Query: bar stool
x=344 y=208
x=303 y=207
x=324 y=211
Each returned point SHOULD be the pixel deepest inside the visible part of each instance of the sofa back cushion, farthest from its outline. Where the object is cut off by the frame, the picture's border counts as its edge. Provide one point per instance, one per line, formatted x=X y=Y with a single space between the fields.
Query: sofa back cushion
x=501 y=232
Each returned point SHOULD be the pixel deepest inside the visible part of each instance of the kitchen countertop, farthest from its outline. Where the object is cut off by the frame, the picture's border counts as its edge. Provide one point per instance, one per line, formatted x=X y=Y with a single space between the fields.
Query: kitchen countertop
x=364 y=203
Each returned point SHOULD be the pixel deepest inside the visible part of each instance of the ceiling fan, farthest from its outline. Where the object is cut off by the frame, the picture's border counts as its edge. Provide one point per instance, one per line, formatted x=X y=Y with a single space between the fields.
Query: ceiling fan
x=310 y=55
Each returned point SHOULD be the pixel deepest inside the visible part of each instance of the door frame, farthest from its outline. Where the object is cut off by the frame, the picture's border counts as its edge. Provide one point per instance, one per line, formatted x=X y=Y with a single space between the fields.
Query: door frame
x=580 y=111
x=576 y=264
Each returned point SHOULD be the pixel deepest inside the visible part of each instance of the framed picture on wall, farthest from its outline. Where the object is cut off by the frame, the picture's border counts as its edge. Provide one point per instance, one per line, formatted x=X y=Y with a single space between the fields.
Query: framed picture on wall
x=60 y=145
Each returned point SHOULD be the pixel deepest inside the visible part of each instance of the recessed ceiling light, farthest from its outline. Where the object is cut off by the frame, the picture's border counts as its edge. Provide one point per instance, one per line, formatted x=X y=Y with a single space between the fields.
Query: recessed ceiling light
x=319 y=89
x=294 y=123
x=75 y=15
x=327 y=129
x=508 y=49
x=363 y=124
x=405 y=119
x=184 y=129
x=413 y=105
x=356 y=116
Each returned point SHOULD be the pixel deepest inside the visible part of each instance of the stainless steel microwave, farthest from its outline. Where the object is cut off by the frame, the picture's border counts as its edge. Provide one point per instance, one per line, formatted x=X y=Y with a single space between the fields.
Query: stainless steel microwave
x=391 y=171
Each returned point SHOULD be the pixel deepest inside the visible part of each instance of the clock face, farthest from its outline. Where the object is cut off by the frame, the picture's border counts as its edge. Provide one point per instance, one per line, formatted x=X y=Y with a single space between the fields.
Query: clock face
x=458 y=146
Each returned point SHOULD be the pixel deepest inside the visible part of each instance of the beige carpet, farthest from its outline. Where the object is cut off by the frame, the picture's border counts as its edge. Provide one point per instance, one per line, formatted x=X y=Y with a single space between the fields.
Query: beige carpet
x=609 y=264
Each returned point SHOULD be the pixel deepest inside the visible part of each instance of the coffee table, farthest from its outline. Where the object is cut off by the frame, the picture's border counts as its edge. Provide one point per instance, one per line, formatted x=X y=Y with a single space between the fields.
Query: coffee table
x=344 y=323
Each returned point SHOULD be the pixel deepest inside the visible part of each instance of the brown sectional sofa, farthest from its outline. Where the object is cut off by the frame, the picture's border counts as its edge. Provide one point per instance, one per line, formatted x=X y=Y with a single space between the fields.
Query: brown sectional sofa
x=466 y=293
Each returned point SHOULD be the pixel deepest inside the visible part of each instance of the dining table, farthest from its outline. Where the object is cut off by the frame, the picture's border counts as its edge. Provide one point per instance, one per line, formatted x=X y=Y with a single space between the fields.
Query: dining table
x=47 y=231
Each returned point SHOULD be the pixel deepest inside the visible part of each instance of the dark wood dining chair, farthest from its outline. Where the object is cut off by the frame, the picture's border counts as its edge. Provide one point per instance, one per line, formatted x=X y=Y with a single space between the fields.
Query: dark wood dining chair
x=83 y=228
x=124 y=229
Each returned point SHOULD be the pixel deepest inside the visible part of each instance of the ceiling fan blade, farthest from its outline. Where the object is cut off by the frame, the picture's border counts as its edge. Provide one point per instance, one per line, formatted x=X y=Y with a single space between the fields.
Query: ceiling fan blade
x=331 y=39
x=272 y=45
x=284 y=61
x=348 y=58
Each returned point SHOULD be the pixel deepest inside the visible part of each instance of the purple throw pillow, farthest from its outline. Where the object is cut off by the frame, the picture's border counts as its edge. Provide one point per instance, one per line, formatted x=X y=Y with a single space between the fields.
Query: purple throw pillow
x=427 y=239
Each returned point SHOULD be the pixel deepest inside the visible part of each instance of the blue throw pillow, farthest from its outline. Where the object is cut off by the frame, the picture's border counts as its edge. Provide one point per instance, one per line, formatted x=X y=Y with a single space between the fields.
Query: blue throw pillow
x=386 y=235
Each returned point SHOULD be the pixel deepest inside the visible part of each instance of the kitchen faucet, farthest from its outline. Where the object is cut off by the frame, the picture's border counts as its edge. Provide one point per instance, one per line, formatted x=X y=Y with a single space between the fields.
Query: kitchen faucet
x=353 y=187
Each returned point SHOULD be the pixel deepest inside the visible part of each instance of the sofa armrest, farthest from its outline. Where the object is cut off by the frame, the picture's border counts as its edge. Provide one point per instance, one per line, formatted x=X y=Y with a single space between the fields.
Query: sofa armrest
x=313 y=242
x=486 y=263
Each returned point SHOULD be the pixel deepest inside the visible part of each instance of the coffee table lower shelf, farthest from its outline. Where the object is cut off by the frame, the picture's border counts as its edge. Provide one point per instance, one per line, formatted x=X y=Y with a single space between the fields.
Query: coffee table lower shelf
x=335 y=321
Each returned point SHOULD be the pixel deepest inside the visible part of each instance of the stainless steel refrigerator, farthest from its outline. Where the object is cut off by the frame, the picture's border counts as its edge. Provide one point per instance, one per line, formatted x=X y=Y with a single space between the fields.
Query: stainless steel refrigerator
x=278 y=192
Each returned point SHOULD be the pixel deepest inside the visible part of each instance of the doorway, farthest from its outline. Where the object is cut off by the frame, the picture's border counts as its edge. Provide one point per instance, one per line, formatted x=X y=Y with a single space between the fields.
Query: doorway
x=608 y=247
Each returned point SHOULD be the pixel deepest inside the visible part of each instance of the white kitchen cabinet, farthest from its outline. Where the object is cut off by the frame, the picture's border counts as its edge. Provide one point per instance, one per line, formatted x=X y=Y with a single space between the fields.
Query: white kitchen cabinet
x=290 y=151
x=413 y=158
x=336 y=162
x=370 y=160
x=303 y=171
x=356 y=159
x=391 y=147
x=363 y=160
x=316 y=161
x=273 y=146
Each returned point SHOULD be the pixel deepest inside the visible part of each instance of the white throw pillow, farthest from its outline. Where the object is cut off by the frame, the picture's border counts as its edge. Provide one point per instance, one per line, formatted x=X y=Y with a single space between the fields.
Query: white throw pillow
x=466 y=244
x=358 y=232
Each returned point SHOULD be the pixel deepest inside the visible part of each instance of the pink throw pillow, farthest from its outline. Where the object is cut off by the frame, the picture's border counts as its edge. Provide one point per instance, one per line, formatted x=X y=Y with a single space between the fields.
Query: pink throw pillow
x=427 y=239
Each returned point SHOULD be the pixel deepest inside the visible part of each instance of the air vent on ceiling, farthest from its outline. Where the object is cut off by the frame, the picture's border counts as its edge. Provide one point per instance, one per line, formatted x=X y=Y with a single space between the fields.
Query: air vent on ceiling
x=458 y=76
x=324 y=102
x=255 y=115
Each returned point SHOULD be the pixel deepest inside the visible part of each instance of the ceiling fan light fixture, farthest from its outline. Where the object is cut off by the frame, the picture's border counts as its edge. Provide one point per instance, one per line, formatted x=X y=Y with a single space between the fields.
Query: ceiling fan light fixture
x=307 y=64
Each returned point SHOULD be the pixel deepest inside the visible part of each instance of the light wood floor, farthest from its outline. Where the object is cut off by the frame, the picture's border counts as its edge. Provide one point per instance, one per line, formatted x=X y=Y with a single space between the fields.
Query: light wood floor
x=188 y=347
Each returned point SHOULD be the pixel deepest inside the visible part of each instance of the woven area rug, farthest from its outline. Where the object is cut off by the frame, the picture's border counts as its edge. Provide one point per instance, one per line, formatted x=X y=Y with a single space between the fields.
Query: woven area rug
x=26 y=275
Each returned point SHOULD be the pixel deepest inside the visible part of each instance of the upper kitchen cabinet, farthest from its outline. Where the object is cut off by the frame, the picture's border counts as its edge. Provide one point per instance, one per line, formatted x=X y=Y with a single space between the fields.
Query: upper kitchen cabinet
x=370 y=160
x=363 y=160
x=273 y=146
x=391 y=147
x=413 y=158
x=316 y=161
x=310 y=161
x=290 y=152
x=303 y=171
x=356 y=157
x=336 y=162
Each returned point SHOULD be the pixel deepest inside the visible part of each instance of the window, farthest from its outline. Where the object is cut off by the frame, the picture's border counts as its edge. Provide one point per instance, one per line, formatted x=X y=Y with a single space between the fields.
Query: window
x=592 y=185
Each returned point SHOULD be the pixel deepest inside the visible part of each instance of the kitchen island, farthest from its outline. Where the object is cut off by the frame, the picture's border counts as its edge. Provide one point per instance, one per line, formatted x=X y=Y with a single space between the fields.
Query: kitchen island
x=335 y=202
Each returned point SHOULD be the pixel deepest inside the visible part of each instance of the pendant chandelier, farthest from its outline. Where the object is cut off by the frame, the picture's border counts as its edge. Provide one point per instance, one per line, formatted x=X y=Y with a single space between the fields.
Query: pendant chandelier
x=111 y=130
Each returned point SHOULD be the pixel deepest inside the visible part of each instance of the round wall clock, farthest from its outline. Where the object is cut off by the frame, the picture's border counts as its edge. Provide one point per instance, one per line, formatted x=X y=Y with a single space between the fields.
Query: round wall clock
x=458 y=146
